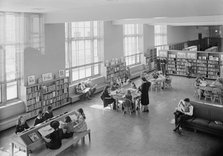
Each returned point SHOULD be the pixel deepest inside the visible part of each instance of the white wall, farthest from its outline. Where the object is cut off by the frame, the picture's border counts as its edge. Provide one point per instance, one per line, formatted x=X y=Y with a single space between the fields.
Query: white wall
x=192 y=32
x=176 y=34
x=113 y=40
x=149 y=40
x=54 y=58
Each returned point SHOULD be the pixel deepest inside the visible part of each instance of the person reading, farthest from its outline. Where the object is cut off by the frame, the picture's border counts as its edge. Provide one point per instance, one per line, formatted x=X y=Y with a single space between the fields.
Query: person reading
x=81 y=89
x=49 y=113
x=68 y=128
x=184 y=111
x=54 y=139
x=89 y=84
x=39 y=119
x=107 y=99
x=21 y=125
x=81 y=123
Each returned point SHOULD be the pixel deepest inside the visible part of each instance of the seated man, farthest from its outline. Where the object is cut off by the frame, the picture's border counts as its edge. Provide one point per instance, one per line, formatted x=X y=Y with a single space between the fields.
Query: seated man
x=81 y=89
x=184 y=111
x=89 y=84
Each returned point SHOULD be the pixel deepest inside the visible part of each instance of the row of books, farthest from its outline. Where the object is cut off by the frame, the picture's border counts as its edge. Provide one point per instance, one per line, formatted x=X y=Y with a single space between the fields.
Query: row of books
x=33 y=95
x=32 y=89
x=52 y=100
x=54 y=94
x=33 y=101
x=35 y=106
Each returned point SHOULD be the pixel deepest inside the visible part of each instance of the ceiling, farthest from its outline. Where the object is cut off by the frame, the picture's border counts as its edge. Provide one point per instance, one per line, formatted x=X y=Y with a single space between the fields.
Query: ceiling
x=173 y=12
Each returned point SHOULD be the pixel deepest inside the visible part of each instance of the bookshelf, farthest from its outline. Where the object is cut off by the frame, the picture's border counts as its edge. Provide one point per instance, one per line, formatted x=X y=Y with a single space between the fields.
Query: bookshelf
x=33 y=99
x=151 y=59
x=207 y=64
x=53 y=93
x=116 y=69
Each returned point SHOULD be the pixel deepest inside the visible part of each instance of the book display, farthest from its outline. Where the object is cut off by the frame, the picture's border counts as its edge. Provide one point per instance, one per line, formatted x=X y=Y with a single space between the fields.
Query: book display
x=151 y=59
x=116 y=69
x=206 y=64
x=54 y=92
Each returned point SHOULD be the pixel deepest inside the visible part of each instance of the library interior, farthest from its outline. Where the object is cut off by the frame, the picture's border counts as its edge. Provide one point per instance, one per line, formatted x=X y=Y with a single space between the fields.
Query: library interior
x=78 y=78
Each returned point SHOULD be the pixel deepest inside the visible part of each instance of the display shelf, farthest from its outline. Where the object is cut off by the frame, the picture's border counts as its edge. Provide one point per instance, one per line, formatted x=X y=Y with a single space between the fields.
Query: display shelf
x=151 y=59
x=117 y=69
x=53 y=92
x=207 y=64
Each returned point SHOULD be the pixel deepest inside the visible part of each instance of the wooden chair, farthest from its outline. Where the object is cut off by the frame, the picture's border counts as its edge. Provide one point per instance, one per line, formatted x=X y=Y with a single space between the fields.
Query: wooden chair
x=167 y=83
x=127 y=104
x=208 y=93
x=216 y=95
x=157 y=85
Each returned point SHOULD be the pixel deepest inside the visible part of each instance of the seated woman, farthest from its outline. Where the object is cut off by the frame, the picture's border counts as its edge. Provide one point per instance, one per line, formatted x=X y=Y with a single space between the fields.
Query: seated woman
x=39 y=119
x=21 y=125
x=81 y=89
x=54 y=139
x=81 y=124
x=107 y=99
x=68 y=128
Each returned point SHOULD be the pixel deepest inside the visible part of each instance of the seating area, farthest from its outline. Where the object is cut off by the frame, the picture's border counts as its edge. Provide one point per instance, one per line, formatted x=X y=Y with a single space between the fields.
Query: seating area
x=206 y=118
x=99 y=82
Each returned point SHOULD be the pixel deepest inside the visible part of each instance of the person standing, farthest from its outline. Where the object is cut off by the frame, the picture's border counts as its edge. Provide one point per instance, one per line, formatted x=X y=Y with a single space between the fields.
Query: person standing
x=144 y=88
x=188 y=68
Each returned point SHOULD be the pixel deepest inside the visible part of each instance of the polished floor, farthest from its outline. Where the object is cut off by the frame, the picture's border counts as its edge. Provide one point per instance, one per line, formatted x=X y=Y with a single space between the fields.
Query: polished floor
x=139 y=134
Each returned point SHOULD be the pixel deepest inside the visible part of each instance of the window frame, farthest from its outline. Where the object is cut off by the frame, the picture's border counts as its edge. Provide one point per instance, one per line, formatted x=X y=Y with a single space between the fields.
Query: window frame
x=136 y=34
x=70 y=38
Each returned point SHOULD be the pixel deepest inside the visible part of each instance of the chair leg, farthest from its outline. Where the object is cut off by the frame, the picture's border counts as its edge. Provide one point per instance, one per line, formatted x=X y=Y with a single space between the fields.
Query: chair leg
x=89 y=136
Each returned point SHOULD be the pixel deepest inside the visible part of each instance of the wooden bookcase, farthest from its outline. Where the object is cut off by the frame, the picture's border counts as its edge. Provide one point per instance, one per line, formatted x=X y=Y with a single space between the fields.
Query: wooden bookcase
x=151 y=59
x=53 y=93
x=207 y=64
x=116 y=69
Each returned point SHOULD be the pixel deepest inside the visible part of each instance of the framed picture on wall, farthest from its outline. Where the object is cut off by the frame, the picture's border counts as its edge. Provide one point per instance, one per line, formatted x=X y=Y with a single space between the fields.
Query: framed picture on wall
x=47 y=77
x=31 y=80
x=61 y=73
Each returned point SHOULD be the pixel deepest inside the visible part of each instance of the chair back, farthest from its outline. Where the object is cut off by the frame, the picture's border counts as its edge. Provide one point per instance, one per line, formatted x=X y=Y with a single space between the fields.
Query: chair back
x=216 y=91
x=127 y=103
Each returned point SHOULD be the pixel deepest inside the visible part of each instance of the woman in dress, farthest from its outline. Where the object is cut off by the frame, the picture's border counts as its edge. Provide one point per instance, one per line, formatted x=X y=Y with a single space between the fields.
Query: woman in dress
x=81 y=124
x=144 y=88
x=107 y=99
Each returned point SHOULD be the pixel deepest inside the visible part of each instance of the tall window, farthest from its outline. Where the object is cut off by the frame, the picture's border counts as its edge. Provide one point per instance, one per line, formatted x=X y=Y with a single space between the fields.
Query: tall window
x=133 y=46
x=15 y=36
x=161 y=37
x=83 y=49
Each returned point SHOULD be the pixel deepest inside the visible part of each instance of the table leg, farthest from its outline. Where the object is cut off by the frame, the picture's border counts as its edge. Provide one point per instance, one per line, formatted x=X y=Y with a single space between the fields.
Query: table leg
x=27 y=152
x=13 y=148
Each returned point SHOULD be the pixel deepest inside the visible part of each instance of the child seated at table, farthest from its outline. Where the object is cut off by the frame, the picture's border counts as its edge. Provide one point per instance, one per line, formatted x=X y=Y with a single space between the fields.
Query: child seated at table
x=81 y=123
x=128 y=101
x=54 y=139
x=68 y=128
x=40 y=118
x=133 y=85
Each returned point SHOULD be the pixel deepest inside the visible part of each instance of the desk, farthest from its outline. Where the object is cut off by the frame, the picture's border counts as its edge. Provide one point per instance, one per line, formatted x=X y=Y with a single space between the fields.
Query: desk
x=31 y=139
